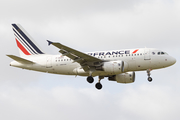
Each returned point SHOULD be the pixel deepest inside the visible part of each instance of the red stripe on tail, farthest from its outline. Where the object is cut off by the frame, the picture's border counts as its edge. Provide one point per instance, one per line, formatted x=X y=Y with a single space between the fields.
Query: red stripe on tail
x=22 y=48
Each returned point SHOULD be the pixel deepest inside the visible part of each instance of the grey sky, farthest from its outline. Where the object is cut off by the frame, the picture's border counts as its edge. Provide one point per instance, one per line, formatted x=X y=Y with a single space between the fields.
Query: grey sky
x=90 y=25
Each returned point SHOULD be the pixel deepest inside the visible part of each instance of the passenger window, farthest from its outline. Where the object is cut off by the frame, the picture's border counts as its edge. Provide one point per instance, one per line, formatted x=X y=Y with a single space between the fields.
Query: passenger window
x=153 y=53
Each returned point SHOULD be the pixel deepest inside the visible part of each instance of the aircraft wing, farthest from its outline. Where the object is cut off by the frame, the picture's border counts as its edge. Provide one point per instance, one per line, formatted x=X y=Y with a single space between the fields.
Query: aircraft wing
x=75 y=55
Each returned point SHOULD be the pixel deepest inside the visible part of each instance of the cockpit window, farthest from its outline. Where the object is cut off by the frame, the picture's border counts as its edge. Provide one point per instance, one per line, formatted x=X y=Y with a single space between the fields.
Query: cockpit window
x=162 y=53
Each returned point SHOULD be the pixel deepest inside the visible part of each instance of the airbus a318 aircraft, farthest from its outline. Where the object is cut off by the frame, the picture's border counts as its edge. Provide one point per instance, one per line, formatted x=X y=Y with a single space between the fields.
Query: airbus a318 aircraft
x=116 y=65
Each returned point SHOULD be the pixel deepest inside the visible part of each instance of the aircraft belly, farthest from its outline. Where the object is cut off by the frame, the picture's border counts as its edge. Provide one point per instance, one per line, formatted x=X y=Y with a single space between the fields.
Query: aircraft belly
x=142 y=64
x=132 y=65
x=65 y=69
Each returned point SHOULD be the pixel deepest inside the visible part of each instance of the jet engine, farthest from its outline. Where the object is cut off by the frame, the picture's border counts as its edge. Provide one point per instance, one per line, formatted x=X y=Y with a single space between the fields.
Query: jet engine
x=128 y=77
x=114 y=67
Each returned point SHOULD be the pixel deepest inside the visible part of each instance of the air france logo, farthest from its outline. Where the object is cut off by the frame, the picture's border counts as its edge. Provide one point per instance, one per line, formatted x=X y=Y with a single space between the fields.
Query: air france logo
x=135 y=51
x=112 y=53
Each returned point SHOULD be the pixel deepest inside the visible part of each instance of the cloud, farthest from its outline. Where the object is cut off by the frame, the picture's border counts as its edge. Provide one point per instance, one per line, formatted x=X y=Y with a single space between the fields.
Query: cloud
x=72 y=103
x=150 y=99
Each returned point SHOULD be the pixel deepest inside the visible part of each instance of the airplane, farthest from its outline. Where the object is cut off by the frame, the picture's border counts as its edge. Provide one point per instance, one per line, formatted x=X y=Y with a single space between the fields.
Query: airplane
x=116 y=65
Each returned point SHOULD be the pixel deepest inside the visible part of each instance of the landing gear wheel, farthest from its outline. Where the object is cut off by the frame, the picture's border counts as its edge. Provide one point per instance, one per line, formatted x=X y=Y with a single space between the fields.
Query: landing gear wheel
x=90 y=79
x=149 y=79
x=98 y=85
x=148 y=73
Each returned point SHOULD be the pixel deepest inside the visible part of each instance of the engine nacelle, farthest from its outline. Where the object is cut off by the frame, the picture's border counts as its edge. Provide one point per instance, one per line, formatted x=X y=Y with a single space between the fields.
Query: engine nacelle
x=128 y=77
x=114 y=67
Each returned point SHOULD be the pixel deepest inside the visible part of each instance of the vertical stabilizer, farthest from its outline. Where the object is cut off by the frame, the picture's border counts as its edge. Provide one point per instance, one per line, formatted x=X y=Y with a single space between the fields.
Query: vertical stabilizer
x=25 y=43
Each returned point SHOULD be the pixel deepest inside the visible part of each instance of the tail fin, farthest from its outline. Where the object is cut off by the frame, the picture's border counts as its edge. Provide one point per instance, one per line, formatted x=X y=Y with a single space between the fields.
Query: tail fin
x=24 y=42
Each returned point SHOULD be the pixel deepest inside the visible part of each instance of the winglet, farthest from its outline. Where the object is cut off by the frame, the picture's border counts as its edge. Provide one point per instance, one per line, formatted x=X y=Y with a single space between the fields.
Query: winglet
x=49 y=42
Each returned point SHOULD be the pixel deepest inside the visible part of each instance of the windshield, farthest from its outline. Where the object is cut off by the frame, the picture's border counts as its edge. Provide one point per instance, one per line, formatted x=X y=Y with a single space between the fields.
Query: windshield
x=162 y=53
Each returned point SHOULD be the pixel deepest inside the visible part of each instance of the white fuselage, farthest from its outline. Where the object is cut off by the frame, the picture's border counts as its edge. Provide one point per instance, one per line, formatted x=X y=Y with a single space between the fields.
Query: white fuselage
x=135 y=60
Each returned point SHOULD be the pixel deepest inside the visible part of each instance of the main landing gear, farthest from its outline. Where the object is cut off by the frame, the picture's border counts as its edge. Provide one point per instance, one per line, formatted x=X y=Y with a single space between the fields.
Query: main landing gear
x=98 y=85
x=148 y=73
x=90 y=79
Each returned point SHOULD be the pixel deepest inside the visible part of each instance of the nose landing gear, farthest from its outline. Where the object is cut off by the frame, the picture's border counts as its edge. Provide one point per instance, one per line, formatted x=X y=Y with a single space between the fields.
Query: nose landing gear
x=148 y=73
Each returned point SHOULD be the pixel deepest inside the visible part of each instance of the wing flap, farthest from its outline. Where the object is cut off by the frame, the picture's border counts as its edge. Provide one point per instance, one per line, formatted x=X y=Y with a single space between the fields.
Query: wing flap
x=20 y=60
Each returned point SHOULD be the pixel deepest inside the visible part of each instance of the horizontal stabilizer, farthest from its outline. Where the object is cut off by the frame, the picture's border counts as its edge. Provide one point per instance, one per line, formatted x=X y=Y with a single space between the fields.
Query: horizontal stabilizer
x=20 y=60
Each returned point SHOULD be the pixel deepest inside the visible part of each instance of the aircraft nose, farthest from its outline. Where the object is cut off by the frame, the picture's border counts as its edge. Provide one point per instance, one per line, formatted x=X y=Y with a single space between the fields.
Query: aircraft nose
x=173 y=61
